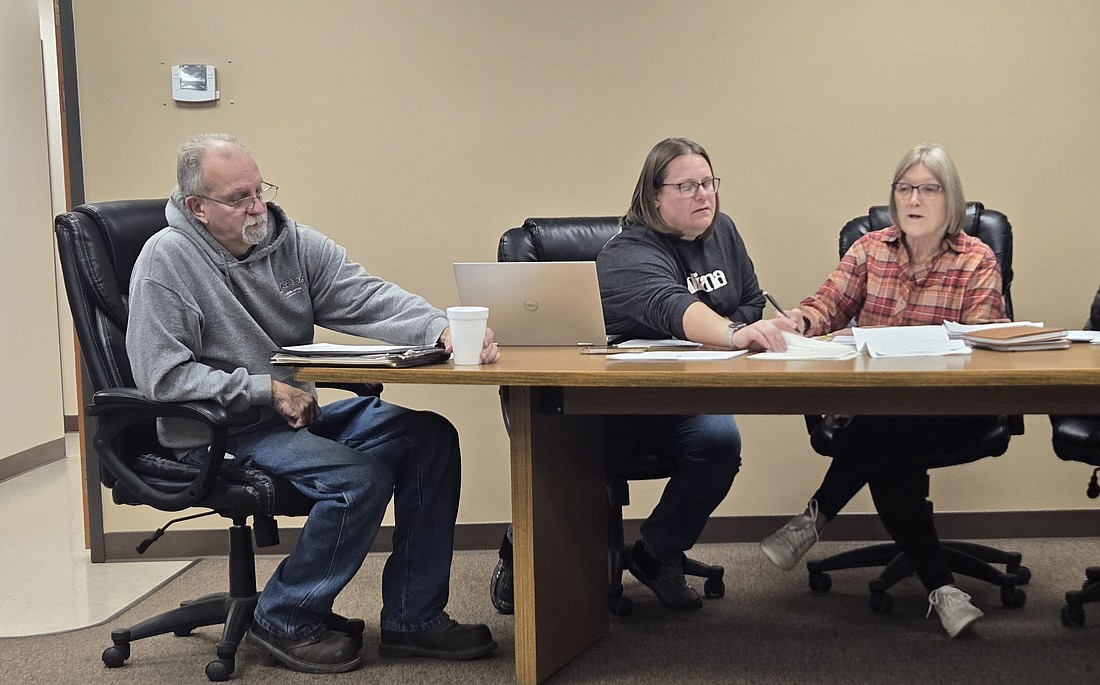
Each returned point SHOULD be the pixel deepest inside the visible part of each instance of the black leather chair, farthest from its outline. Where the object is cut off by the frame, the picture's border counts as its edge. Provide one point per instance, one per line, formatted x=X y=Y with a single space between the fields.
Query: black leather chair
x=581 y=239
x=991 y=439
x=98 y=245
x=1077 y=438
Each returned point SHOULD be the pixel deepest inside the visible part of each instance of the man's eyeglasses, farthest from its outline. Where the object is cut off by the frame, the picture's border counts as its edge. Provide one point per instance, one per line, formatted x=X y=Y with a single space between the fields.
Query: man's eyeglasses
x=268 y=191
x=923 y=189
x=689 y=188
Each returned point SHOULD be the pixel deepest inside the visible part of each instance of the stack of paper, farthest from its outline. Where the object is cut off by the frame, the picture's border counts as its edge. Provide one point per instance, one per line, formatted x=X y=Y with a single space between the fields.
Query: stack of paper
x=1018 y=339
x=908 y=341
x=388 y=356
x=809 y=349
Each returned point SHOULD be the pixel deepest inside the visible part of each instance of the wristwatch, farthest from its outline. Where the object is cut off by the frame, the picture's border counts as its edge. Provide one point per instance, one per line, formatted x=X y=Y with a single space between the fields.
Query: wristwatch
x=733 y=328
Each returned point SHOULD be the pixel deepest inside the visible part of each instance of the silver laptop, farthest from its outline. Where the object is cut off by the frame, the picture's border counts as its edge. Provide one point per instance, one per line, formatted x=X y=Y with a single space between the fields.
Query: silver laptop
x=536 y=303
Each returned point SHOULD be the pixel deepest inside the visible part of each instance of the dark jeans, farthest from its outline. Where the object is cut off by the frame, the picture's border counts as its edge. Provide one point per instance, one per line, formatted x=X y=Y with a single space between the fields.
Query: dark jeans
x=891 y=454
x=359 y=455
x=708 y=451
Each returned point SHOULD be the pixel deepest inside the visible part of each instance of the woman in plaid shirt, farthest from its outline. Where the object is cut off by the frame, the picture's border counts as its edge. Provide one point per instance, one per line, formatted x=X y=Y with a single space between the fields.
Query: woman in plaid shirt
x=922 y=270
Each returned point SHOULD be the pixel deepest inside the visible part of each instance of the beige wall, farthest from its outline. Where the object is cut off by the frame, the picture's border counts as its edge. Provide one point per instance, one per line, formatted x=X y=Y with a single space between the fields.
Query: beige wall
x=31 y=404
x=415 y=133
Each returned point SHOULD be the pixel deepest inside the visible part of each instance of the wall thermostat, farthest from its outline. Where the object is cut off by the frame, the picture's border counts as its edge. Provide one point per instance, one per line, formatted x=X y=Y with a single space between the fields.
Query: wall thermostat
x=194 y=83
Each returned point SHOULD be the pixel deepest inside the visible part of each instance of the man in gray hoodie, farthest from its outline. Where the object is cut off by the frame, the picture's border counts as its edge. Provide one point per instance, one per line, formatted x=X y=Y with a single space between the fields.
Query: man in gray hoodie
x=231 y=279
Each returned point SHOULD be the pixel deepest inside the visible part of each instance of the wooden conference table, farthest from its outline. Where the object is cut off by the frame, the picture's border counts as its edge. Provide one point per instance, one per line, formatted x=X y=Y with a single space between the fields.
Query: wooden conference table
x=557 y=396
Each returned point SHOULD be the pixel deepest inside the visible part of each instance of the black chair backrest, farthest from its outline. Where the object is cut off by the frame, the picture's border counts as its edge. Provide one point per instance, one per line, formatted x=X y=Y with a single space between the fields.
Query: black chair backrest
x=1093 y=324
x=988 y=225
x=98 y=245
x=569 y=239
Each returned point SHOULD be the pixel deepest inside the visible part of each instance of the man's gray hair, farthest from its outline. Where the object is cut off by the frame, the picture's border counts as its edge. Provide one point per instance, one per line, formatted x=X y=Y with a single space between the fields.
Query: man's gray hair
x=190 y=157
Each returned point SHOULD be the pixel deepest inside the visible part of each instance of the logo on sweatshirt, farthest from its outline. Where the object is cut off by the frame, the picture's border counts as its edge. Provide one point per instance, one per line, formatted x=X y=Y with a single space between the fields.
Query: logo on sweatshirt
x=708 y=283
x=292 y=286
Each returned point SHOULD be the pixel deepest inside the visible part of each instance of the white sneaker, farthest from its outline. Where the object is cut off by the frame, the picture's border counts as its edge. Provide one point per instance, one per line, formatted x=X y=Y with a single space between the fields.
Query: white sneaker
x=786 y=546
x=954 y=607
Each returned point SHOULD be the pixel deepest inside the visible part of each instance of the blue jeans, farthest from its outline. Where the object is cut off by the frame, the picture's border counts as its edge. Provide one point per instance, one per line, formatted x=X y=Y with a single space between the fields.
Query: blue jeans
x=360 y=453
x=708 y=451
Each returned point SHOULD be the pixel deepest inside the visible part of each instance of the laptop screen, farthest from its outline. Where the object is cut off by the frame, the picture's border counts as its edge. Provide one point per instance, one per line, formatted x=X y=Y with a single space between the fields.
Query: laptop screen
x=536 y=303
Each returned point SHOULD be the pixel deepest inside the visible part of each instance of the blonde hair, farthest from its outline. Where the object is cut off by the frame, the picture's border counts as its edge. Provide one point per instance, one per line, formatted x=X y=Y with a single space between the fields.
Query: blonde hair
x=936 y=159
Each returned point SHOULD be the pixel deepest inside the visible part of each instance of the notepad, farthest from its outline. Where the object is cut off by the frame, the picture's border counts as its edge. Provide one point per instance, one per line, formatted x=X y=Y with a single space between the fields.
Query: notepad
x=1018 y=338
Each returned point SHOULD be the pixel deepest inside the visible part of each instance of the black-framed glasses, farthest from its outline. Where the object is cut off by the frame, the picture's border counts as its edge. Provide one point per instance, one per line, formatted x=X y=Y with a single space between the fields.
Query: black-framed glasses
x=689 y=188
x=267 y=192
x=923 y=189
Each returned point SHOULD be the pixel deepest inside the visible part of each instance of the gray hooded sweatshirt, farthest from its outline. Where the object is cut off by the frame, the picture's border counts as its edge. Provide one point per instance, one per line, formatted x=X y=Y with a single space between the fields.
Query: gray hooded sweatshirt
x=204 y=325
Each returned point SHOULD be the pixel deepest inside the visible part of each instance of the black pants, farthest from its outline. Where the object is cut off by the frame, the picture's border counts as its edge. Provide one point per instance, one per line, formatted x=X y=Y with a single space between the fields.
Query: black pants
x=892 y=454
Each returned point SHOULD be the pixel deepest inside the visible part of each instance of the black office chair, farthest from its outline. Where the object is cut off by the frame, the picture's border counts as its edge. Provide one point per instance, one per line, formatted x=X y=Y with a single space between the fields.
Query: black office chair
x=581 y=239
x=1077 y=438
x=989 y=439
x=98 y=245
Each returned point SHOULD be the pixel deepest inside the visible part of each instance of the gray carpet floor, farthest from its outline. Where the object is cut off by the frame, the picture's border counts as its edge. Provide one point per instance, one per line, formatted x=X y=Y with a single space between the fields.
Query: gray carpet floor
x=769 y=628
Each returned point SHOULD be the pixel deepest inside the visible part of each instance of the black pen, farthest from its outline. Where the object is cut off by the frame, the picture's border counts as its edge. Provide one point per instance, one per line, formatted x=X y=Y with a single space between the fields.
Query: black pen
x=775 y=304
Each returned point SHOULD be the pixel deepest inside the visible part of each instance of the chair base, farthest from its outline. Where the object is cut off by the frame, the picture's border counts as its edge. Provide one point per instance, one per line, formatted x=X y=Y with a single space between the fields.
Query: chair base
x=965 y=558
x=1073 y=613
x=233 y=609
x=234 y=612
x=618 y=561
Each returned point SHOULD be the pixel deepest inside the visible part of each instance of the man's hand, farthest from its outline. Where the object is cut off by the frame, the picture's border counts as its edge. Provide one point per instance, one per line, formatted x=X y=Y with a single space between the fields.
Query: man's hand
x=298 y=407
x=490 y=352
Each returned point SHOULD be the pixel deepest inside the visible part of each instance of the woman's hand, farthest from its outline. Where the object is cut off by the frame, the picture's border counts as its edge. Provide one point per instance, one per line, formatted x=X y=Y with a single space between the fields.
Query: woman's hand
x=767 y=334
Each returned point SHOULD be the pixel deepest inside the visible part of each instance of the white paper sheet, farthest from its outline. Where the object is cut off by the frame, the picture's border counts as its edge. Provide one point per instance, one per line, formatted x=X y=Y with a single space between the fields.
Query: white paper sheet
x=676 y=356
x=908 y=341
x=669 y=342
x=334 y=349
x=809 y=349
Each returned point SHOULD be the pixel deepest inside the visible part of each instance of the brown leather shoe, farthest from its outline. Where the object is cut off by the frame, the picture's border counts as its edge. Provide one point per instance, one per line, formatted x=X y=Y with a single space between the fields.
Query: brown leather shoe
x=326 y=651
x=448 y=640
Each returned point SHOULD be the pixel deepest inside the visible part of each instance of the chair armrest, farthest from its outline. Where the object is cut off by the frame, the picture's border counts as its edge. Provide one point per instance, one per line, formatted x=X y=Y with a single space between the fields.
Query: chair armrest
x=126 y=429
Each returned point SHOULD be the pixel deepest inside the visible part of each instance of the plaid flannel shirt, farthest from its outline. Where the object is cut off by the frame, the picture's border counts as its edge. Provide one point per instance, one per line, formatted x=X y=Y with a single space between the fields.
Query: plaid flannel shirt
x=873 y=285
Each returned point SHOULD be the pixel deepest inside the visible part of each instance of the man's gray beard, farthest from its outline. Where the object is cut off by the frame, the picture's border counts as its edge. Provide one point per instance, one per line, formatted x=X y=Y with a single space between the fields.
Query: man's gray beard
x=254 y=234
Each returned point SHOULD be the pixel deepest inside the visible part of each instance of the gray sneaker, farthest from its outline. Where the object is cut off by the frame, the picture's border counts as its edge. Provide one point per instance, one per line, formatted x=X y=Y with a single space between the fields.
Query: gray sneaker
x=954 y=608
x=786 y=546
x=666 y=580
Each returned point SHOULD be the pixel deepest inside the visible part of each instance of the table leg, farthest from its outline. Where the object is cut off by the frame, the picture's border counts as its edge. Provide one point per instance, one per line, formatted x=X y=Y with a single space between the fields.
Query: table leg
x=559 y=509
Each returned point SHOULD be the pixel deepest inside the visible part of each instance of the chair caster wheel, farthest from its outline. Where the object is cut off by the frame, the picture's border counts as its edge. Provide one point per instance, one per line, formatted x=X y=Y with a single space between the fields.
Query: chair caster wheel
x=1013 y=597
x=219 y=670
x=1073 y=615
x=821 y=582
x=882 y=603
x=620 y=606
x=714 y=588
x=116 y=655
x=1023 y=575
